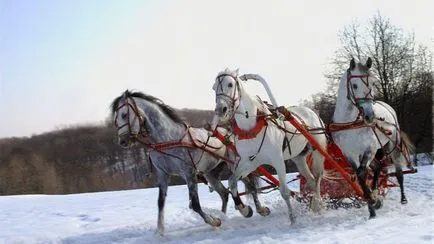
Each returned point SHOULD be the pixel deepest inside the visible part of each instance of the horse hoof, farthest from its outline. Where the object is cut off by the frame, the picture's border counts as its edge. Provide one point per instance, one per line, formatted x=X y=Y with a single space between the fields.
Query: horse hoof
x=404 y=201
x=378 y=204
x=250 y=212
x=264 y=211
x=315 y=205
x=246 y=211
x=217 y=222
x=160 y=232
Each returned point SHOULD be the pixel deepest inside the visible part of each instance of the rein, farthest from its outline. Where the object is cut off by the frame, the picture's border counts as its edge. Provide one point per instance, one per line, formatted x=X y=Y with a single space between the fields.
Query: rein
x=359 y=123
x=186 y=141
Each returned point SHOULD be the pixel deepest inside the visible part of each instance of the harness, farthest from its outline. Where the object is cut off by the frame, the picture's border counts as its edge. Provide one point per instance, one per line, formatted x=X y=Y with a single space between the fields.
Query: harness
x=188 y=140
x=263 y=119
x=359 y=123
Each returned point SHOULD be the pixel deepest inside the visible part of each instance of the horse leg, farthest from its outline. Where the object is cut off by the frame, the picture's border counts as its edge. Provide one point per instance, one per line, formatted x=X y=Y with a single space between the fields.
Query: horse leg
x=162 y=185
x=362 y=172
x=251 y=185
x=318 y=171
x=245 y=210
x=284 y=190
x=312 y=181
x=192 y=189
x=376 y=167
x=398 y=159
x=303 y=168
x=400 y=178
x=220 y=188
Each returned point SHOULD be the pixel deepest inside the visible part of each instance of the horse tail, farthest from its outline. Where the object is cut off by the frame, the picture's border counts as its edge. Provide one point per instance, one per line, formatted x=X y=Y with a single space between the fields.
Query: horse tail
x=407 y=147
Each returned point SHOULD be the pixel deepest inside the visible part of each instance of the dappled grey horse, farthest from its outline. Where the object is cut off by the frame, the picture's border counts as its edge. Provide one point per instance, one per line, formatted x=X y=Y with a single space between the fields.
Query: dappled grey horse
x=175 y=149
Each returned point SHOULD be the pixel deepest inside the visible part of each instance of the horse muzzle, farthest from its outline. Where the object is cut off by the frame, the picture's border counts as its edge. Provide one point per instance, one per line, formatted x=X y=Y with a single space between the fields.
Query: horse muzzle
x=368 y=116
x=367 y=111
x=223 y=111
x=126 y=140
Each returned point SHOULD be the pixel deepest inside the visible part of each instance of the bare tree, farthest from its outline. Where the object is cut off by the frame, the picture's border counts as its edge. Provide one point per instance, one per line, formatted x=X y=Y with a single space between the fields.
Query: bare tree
x=402 y=66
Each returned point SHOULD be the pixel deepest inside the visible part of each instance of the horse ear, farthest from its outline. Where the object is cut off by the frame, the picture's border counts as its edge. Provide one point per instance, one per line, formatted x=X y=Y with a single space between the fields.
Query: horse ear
x=237 y=71
x=369 y=63
x=352 y=64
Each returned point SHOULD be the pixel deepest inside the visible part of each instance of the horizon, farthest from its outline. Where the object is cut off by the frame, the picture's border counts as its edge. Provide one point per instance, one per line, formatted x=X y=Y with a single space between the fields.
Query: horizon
x=62 y=63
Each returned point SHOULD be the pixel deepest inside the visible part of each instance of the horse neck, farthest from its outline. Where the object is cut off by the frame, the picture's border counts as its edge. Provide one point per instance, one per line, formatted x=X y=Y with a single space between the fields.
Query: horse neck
x=345 y=111
x=245 y=115
x=161 y=127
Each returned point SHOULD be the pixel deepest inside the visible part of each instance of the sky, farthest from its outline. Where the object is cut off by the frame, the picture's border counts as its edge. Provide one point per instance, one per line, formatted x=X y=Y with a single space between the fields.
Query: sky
x=63 y=62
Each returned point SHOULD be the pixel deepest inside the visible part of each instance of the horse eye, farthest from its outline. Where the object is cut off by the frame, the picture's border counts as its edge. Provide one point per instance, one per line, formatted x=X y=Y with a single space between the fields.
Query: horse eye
x=124 y=116
x=230 y=85
x=354 y=86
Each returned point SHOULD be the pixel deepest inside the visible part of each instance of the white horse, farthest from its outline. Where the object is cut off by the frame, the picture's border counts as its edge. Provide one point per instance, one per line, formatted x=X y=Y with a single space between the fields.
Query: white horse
x=379 y=135
x=263 y=138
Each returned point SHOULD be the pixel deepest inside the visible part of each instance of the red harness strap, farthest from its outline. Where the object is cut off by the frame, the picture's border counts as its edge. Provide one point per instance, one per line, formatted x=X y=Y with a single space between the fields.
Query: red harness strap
x=333 y=127
x=169 y=145
x=191 y=142
x=261 y=122
x=223 y=139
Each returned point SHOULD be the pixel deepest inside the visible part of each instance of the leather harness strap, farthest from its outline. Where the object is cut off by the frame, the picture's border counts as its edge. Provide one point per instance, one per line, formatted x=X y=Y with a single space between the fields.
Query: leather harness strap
x=261 y=122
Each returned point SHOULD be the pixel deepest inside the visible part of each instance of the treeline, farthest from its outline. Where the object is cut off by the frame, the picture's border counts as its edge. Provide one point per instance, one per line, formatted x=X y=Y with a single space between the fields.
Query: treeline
x=84 y=159
x=402 y=67
x=81 y=159
x=78 y=159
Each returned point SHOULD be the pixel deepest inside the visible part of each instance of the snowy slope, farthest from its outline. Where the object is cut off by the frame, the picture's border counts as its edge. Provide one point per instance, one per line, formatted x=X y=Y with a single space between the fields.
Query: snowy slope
x=130 y=217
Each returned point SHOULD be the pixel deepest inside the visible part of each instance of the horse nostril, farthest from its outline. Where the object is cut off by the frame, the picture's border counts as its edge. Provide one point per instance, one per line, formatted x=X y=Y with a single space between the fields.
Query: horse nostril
x=366 y=117
x=123 y=142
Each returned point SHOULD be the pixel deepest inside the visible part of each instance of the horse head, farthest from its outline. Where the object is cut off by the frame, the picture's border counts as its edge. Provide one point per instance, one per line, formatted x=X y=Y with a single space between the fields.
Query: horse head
x=128 y=119
x=228 y=93
x=360 y=88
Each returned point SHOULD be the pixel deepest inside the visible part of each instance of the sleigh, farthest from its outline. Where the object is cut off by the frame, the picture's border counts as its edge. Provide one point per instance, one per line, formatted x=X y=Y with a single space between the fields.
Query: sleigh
x=340 y=186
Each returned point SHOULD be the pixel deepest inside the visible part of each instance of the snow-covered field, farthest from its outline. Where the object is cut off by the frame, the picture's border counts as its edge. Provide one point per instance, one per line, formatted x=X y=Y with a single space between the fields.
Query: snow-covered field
x=131 y=217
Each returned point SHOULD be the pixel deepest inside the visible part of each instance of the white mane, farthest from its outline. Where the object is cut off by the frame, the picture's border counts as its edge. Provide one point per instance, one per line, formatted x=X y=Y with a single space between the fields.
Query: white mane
x=228 y=71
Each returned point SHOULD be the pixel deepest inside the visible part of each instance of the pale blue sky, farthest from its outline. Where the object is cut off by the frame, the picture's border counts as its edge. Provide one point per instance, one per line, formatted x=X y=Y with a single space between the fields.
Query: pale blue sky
x=62 y=62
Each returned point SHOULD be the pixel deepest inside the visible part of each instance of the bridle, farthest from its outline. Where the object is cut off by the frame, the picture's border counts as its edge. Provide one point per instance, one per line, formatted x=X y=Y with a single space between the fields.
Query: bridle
x=231 y=100
x=143 y=136
x=131 y=108
x=357 y=102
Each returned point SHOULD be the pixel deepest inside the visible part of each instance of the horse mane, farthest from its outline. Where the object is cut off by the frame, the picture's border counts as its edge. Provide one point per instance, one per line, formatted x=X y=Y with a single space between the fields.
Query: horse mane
x=261 y=105
x=363 y=68
x=228 y=71
x=169 y=111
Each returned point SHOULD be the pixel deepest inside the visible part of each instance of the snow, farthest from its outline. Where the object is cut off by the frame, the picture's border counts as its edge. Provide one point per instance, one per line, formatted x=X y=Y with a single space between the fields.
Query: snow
x=131 y=217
